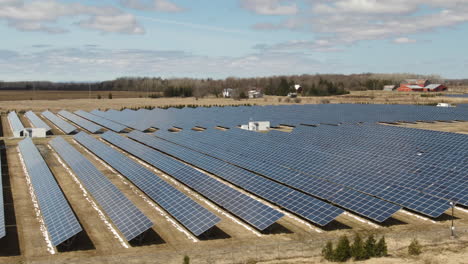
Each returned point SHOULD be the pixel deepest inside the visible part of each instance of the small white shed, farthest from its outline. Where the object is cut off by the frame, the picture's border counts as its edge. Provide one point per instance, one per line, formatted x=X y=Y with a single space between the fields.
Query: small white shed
x=257 y=126
x=34 y=132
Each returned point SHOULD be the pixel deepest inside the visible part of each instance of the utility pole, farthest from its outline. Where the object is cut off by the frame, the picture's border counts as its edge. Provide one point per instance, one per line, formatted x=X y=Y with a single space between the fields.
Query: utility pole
x=452 y=228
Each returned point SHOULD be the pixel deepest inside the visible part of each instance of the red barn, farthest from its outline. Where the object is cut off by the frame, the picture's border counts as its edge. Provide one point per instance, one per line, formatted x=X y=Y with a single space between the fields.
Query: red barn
x=414 y=85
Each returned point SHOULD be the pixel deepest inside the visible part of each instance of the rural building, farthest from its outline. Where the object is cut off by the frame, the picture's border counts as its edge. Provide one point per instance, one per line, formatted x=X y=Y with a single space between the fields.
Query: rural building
x=298 y=88
x=389 y=88
x=227 y=93
x=421 y=86
x=255 y=94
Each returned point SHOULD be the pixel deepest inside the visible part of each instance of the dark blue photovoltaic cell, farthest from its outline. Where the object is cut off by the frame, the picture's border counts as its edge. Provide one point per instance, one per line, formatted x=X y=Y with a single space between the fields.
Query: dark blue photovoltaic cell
x=352 y=200
x=60 y=221
x=63 y=125
x=327 y=160
x=2 y=216
x=293 y=115
x=301 y=204
x=130 y=221
x=90 y=126
x=193 y=216
x=239 y=204
x=36 y=121
x=101 y=121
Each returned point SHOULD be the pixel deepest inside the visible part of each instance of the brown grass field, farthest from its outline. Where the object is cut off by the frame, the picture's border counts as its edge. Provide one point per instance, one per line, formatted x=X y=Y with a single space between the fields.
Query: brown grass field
x=55 y=101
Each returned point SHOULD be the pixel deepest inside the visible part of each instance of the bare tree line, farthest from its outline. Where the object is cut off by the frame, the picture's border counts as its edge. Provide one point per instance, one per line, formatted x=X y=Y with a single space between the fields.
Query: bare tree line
x=202 y=87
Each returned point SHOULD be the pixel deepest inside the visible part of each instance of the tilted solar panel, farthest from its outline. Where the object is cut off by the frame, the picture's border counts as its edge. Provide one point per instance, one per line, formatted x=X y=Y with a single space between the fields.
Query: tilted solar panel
x=36 y=121
x=16 y=125
x=299 y=203
x=101 y=121
x=60 y=221
x=352 y=200
x=124 y=214
x=90 y=126
x=241 y=205
x=63 y=125
x=193 y=216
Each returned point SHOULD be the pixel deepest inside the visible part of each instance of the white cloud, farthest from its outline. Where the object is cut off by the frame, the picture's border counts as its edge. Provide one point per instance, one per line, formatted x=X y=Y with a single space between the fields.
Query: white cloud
x=270 y=7
x=44 y=15
x=156 y=5
x=345 y=22
x=123 y=23
x=404 y=40
x=94 y=63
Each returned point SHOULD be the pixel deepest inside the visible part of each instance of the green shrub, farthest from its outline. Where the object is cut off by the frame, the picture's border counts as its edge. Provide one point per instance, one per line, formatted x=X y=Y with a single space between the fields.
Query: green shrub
x=358 y=251
x=186 y=259
x=109 y=96
x=343 y=250
x=370 y=246
x=381 y=248
x=327 y=251
x=414 y=248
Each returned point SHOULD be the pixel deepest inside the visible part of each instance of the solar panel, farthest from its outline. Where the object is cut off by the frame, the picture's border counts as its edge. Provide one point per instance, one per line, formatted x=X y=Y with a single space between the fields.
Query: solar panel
x=90 y=126
x=352 y=200
x=299 y=203
x=102 y=121
x=250 y=210
x=15 y=123
x=2 y=210
x=60 y=221
x=193 y=216
x=124 y=214
x=63 y=125
x=297 y=154
x=36 y=121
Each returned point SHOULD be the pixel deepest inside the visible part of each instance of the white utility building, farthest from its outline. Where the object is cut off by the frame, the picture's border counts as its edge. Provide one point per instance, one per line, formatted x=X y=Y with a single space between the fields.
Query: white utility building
x=257 y=126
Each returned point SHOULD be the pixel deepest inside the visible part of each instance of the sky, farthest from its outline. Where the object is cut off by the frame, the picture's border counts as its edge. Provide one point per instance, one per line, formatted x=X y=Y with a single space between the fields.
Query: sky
x=66 y=40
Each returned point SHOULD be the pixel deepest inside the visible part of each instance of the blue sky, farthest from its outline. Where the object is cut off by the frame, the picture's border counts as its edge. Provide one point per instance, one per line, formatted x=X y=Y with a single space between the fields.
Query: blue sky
x=65 y=40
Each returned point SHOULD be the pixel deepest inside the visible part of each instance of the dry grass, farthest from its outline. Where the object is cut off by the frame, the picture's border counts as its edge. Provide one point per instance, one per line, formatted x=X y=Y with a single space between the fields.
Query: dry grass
x=67 y=100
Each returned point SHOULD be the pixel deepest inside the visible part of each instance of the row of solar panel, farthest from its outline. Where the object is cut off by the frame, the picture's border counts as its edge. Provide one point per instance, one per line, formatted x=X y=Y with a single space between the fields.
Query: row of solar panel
x=80 y=118
x=62 y=223
x=347 y=198
x=274 y=153
x=294 y=201
x=250 y=210
x=291 y=115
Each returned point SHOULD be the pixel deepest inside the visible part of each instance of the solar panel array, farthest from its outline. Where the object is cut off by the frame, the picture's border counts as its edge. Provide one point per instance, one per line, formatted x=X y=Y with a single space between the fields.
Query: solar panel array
x=88 y=125
x=60 y=221
x=308 y=207
x=2 y=209
x=101 y=121
x=36 y=121
x=417 y=174
x=338 y=194
x=16 y=125
x=63 y=125
x=293 y=115
x=124 y=214
x=193 y=216
x=246 y=208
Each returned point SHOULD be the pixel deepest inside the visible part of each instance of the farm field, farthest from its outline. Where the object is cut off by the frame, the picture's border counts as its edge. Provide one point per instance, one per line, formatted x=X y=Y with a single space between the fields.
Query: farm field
x=294 y=238
x=80 y=100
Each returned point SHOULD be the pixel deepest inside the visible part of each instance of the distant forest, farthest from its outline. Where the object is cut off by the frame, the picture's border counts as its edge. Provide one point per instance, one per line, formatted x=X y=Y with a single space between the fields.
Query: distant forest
x=312 y=85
